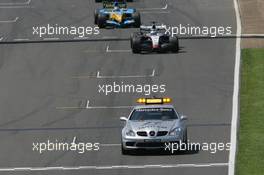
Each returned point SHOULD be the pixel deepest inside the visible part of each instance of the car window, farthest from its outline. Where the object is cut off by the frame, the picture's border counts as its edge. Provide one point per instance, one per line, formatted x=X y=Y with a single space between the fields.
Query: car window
x=154 y=114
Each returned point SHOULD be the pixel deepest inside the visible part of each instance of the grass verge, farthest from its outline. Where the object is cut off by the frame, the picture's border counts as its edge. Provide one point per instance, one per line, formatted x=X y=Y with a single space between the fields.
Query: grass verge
x=250 y=159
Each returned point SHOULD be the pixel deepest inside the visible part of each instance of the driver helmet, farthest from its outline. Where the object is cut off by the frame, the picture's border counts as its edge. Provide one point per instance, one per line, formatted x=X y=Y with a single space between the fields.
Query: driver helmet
x=116 y=7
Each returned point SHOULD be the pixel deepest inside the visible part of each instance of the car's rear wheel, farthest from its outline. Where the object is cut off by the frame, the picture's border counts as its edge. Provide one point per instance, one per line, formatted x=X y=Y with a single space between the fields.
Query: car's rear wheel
x=101 y=20
x=185 y=142
x=137 y=19
x=174 y=42
x=96 y=13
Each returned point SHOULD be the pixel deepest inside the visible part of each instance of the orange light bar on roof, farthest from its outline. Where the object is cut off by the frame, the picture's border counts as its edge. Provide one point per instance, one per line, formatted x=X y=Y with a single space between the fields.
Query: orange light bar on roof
x=154 y=100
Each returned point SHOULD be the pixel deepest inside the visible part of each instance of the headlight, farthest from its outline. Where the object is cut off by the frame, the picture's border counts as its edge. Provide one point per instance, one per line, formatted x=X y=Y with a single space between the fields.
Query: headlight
x=175 y=132
x=130 y=133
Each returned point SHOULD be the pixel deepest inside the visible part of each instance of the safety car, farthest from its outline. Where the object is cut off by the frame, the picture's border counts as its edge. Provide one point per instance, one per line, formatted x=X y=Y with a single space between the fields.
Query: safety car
x=151 y=125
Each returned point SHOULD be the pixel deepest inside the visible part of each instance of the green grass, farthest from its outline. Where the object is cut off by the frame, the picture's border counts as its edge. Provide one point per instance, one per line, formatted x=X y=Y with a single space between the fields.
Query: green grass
x=250 y=159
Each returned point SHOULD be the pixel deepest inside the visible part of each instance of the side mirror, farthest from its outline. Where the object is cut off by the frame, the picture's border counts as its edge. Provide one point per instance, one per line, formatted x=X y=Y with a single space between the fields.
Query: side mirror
x=123 y=119
x=183 y=117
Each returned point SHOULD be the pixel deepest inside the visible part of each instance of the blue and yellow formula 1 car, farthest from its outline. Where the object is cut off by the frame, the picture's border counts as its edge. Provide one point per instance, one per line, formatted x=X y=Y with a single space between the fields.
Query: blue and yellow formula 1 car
x=116 y=14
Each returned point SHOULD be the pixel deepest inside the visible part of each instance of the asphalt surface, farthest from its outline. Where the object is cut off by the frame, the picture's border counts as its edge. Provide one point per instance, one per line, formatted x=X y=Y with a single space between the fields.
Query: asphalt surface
x=39 y=80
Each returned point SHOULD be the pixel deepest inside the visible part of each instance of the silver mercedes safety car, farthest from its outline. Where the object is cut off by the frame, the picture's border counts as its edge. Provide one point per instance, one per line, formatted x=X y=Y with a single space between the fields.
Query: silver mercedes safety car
x=151 y=125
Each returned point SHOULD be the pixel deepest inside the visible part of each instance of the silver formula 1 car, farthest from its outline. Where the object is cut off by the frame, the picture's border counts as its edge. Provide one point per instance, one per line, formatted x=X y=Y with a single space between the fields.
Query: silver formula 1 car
x=152 y=125
x=113 y=0
x=153 y=38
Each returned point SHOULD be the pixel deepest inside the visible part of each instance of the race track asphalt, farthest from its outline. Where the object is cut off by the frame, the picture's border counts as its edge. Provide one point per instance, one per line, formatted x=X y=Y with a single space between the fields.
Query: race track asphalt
x=37 y=79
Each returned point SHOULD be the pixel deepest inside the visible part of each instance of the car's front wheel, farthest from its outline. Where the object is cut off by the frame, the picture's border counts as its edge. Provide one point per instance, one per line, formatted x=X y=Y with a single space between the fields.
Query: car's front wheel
x=124 y=151
x=101 y=20
x=135 y=44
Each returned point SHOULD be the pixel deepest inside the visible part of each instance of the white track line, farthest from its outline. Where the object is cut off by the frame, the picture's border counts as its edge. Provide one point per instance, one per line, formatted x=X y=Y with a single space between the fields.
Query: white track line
x=232 y=153
x=21 y=39
x=92 y=51
x=87 y=106
x=112 y=167
x=154 y=12
x=127 y=76
x=1 y=38
x=108 y=37
x=109 y=50
x=69 y=108
x=80 y=38
x=16 y=3
x=10 y=21
x=51 y=39
x=99 y=76
x=253 y=35
x=161 y=8
x=106 y=107
x=15 y=7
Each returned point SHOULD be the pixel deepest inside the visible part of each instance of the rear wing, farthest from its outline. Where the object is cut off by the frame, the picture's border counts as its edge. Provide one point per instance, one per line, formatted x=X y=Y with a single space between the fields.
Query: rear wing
x=111 y=4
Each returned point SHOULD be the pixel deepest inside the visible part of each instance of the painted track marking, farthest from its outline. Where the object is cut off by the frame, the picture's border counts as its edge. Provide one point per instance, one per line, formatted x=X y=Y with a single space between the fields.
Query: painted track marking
x=87 y=106
x=10 y=21
x=113 y=167
x=99 y=76
x=121 y=50
x=15 y=7
x=106 y=107
x=232 y=153
x=160 y=8
x=16 y=3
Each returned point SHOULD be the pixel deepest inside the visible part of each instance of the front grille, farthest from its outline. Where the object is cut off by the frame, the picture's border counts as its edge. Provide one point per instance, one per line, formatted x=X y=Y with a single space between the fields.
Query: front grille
x=150 y=144
x=130 y=143
x=162 y=133
x=142 y=133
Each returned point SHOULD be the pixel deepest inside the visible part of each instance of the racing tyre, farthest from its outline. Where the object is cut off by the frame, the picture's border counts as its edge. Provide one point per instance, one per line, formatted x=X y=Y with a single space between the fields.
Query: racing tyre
x=185 y=140
x=96 y=12
x=133 y=35
x=124 y=152
x=135 y=44
x=129 y=0
x=101 y=20
x=164 y=48
x=137 y=18
x=98 y=0
x=174 y=42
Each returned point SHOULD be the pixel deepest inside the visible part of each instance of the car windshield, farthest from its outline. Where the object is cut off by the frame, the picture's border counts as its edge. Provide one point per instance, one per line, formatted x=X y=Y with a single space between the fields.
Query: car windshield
x=154 y=114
